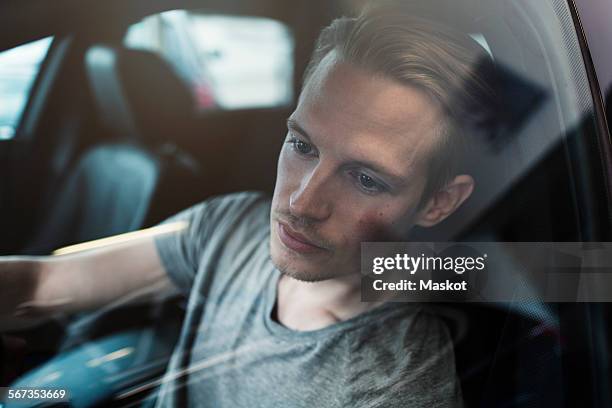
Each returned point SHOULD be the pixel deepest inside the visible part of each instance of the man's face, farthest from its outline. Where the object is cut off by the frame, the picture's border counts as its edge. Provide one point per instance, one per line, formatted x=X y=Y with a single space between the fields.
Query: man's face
x=352 y=169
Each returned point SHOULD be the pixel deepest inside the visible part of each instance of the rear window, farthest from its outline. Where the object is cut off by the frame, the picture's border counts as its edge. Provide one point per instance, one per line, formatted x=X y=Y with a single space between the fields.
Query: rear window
x=230 y=62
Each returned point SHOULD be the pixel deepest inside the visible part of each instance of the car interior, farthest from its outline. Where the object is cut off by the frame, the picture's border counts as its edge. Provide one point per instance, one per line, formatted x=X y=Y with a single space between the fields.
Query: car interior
x=112 y=140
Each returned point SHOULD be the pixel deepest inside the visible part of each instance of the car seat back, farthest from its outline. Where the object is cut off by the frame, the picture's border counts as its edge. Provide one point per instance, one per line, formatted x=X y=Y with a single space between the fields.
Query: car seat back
x=130 y=179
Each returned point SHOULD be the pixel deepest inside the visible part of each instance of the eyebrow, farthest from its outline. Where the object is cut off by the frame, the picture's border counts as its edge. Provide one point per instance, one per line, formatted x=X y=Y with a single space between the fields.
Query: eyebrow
x=396 y=179
x=293 y=125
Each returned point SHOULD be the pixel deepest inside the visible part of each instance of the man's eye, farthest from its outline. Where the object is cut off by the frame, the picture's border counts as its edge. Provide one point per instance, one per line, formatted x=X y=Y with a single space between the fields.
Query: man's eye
x=300 y=146
x=368 y=184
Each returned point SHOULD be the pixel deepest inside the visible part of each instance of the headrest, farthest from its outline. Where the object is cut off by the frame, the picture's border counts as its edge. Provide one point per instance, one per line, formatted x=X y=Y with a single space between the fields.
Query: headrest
x=138 y=94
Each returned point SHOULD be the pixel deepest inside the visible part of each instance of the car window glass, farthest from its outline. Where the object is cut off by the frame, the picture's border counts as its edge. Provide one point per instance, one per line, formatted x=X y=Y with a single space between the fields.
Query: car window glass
x=230 y=62
x=546 y=112
x=18 y=69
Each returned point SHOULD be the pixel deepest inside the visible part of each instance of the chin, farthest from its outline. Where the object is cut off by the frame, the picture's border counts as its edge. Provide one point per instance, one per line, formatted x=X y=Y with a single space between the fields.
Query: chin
x=300 y=269
x=302 y=276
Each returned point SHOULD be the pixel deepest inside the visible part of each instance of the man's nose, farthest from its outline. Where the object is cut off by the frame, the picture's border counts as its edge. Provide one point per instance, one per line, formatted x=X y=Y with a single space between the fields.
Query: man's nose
x=311 y=200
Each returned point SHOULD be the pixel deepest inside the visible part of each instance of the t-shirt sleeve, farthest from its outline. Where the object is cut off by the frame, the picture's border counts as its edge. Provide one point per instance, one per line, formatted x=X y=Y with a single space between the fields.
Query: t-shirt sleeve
x=202 y=229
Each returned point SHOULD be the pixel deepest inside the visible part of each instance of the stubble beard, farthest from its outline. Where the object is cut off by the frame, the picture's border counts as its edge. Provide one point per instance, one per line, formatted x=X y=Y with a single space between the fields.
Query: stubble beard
x=290 y=268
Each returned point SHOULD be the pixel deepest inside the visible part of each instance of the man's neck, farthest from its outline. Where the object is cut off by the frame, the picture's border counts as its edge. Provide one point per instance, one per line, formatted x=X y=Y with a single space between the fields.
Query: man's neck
x=306 y=306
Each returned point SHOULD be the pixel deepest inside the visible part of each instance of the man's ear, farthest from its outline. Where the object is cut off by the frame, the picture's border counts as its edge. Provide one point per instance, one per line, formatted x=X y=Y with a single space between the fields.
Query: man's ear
x=445 y=201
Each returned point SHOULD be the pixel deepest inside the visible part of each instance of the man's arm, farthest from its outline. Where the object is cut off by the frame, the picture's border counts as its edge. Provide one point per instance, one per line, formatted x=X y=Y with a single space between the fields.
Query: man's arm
x=35 y=288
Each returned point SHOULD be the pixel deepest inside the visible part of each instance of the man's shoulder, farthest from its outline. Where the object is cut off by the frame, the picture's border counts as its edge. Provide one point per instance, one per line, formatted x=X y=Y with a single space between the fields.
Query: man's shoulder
x=237 y=201
x=216 y=219
x=229 y=206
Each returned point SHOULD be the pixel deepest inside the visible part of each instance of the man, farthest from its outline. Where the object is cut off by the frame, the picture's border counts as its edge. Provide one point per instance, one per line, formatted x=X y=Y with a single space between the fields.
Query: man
x=274 y=314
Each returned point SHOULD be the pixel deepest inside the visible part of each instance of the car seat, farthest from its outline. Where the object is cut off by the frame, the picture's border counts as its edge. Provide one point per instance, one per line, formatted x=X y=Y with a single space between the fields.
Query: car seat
x=130 y=179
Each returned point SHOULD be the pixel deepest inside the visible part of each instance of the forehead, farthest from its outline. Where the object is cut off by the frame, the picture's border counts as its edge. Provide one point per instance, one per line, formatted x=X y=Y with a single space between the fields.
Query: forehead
x=362 y=114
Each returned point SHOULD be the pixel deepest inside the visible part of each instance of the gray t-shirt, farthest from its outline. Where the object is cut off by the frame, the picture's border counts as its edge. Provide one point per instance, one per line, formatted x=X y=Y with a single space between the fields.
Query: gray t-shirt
x=232 y=353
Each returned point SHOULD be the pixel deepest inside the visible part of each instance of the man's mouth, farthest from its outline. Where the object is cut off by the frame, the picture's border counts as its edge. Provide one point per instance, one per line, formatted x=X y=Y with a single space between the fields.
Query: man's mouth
x=296 y=241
